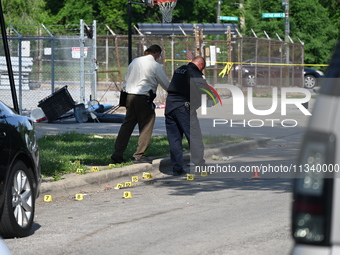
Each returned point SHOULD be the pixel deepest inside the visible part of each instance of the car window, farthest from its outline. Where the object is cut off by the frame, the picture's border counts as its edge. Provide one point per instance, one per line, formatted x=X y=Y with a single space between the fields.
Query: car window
x=262 y=60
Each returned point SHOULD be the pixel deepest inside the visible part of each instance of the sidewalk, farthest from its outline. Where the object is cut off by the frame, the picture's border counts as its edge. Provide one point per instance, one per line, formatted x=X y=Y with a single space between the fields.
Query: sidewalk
x=163 y=165
x=101 y=128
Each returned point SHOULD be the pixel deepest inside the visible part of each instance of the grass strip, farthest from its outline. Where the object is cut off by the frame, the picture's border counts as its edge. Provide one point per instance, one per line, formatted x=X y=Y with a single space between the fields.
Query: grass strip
x=65 y=153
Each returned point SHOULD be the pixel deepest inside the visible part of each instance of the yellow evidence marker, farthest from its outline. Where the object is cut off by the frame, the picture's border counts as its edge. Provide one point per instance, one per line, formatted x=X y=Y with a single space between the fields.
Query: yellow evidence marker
x=214 y=157
x=146 y=175
x=128 y=184
x=134 y=178
x=111 y=165
x=48 y=198
x=80 y=171
x=119 y=186
x=79 y=197
x=190 y=177
x=204 y=174
x=95 y=169
x=127 y=194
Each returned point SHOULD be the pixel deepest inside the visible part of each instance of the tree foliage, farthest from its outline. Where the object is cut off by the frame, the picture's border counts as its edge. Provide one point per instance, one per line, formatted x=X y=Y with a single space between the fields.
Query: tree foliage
x=310 y=22
x=315 y=22
x=24 y=12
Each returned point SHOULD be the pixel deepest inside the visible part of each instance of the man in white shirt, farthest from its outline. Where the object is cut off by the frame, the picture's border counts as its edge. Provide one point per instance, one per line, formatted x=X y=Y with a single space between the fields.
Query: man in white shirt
x=141 y=80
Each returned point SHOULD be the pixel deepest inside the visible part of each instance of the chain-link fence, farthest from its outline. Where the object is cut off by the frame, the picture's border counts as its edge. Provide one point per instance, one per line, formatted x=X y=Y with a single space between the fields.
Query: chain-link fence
x=45 y=63
x=265 y=62
x=93 y=66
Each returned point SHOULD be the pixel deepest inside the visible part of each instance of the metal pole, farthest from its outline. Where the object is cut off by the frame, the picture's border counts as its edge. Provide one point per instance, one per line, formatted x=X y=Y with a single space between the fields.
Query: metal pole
x=218 y=11
x=218 y=16
x=172 y=54
x=129 y=11
x=107 y=58
x=94 y=60
x=52 y=65
x=40 y=56
x=242 y=19
x=129 y=31
x=287 y=29
x=82 y=64
x=20 y=74
x=52 y=57
x=286 y=2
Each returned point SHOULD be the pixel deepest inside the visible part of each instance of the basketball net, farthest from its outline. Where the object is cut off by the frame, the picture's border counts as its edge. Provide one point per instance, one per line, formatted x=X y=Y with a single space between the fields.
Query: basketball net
x=166 y=7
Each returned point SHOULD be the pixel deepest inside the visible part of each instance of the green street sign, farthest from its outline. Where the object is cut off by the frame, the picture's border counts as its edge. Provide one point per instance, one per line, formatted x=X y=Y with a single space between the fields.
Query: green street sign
x=228 y=18
x=273 y=15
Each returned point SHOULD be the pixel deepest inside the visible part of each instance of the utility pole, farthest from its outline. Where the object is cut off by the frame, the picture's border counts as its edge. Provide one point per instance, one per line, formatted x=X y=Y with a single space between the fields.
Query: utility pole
x=242 y=21
x=286 y=5
x=218 y=11
x=129 y=11
x=129 y=31
x=82 y=63
x=218 y=16
x=287 y=29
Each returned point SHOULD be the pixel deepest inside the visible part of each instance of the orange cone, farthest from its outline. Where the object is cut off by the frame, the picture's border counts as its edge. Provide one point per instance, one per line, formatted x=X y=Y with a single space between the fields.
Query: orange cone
x=256 y=173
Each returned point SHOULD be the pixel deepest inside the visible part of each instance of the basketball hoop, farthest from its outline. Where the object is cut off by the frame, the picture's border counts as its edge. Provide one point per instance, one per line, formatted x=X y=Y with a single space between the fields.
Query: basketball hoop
x=166 y=7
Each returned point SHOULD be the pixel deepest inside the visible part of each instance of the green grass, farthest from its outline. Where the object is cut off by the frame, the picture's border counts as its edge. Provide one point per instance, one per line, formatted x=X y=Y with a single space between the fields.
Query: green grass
x=65 y=153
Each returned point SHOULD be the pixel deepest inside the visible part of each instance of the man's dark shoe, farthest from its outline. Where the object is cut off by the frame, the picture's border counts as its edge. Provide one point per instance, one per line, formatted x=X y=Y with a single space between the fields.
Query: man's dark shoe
x=117 y=160
x=178 y=173
x=142 y=160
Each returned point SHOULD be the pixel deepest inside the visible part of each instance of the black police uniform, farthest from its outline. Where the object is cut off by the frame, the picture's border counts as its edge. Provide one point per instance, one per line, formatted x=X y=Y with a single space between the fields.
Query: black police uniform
x=184 y=98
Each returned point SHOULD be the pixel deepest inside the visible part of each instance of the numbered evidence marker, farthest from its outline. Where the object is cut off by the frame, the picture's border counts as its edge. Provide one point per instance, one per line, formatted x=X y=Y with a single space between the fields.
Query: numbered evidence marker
x=111 y=165
x=48 y=198
x=134 y=178
x=79 y=197
x=80 y=171
x=214 y=157
x=190 y=177
x=95 y=169
x=204 y=174
x=127 y=194
x=146 y=175
x=128 y=184
x=119 y=186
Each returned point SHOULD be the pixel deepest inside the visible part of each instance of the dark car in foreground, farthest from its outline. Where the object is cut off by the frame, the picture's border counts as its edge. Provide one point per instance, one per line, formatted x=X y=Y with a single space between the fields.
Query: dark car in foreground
x=20 y=175
x=264 y=71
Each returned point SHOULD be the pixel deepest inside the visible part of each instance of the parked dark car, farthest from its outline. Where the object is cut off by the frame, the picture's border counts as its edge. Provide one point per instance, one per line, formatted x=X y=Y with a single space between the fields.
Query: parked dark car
x=264 y=71
x=20 y=175
x=311 y=77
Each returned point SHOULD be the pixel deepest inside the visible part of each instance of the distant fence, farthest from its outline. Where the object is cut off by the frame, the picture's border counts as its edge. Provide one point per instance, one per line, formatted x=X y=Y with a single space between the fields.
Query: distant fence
x=93 y=67
x=22 y=67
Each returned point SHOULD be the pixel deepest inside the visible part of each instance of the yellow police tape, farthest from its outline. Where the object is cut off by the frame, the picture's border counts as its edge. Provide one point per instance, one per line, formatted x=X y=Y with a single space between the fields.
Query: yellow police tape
x=229 y=64
x=226 y=69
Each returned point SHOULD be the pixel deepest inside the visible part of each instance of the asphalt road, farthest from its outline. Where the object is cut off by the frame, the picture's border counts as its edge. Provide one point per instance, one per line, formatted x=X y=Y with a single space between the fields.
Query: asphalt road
x=224 y=213
x=218 y=214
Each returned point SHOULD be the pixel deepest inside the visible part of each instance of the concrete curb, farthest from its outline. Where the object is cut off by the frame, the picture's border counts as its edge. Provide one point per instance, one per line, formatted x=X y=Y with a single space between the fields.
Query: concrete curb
x=108 y=175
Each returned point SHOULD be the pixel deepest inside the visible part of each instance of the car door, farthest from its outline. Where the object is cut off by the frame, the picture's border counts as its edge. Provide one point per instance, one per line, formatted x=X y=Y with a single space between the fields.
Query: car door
x=5 y=149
